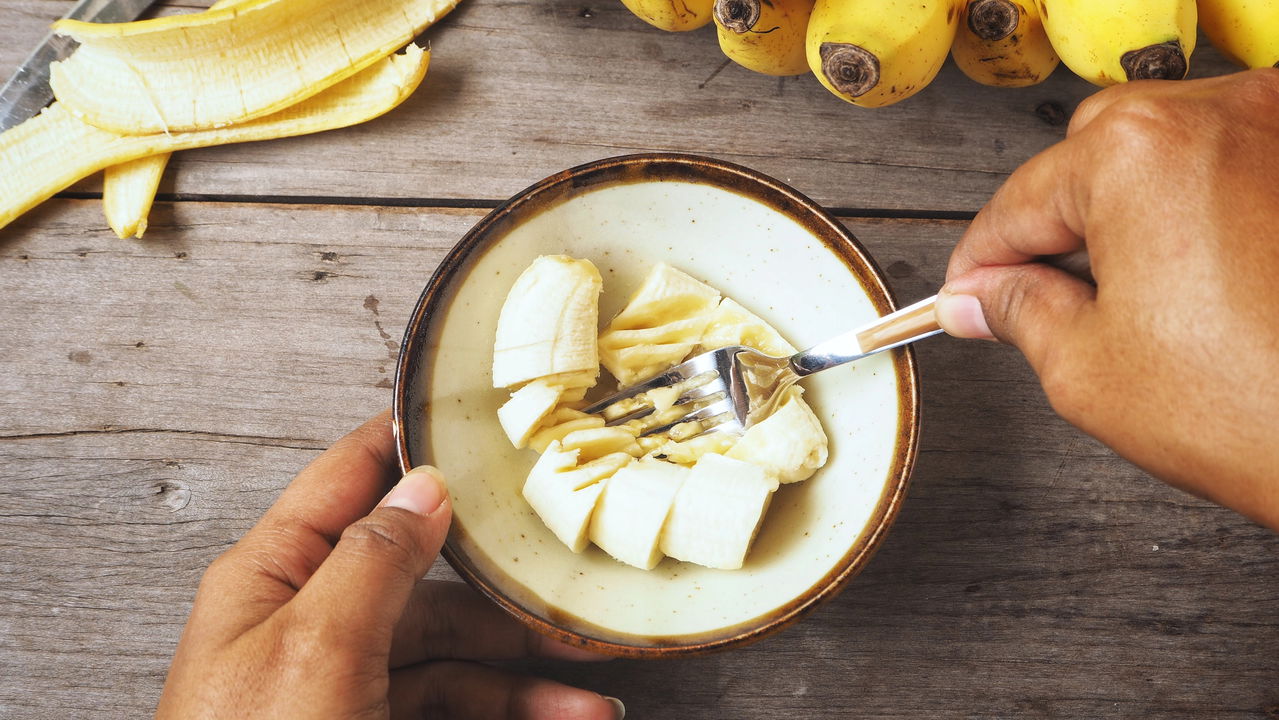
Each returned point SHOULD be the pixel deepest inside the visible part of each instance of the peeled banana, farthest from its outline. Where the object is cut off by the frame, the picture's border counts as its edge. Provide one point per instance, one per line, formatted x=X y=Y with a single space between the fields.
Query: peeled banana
x=790 y=445
x=672 y=15
x=55 y=149
x=206 y=70
x=548 y=322
x=717 y=512
x=523 y=414
x=632 y=510
x=1003 y=43
x=1112 y=41
x=1245 y=31
x=877 y=52
x=766 y=36
x=563 y=494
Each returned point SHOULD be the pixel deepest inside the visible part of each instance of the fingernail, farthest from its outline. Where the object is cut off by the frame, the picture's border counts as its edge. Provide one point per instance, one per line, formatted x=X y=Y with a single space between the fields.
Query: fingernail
x=619 y=710
x=422 y=491
x=961 y=315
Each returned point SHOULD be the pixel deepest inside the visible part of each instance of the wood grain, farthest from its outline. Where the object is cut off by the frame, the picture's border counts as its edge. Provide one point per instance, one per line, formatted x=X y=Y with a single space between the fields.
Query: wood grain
x=521 y=89
x=158 y=394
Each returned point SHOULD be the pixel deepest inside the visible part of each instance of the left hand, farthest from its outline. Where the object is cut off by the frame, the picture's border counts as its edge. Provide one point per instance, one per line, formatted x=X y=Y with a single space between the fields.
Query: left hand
x=320 y=611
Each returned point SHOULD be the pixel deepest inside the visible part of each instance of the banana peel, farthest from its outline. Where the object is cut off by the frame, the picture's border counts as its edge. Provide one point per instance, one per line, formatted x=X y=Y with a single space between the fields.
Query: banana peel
x=53 y=150
x=129 y=189
x=153 y=76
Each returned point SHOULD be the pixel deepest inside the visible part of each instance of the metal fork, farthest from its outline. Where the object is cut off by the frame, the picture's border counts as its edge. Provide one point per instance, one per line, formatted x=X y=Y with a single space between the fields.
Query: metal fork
x=732 y=388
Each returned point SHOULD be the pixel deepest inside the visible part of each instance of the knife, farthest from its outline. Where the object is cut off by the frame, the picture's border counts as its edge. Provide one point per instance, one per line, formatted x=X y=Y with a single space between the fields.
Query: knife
x=27 y=92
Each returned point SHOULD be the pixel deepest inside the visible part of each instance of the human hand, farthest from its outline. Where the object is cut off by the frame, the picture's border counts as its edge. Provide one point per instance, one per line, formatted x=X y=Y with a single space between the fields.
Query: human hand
x=320 y=612
x=1170 y=359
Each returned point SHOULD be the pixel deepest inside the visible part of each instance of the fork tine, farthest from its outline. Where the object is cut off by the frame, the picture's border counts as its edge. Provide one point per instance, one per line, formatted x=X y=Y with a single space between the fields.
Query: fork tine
x=724 y=406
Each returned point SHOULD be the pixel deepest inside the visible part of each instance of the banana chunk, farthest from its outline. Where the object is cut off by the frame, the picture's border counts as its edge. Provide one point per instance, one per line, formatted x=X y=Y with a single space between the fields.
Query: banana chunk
x=790 y=444
x=548 y=322
x=210 y=69
x=717 y=512
x=523 y=414
x=660 y=324
x=632 y=511
x=564 y=495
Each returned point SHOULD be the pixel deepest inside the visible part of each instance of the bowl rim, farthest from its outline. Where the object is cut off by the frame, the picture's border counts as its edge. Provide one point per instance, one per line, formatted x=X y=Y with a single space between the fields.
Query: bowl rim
x=753 y=185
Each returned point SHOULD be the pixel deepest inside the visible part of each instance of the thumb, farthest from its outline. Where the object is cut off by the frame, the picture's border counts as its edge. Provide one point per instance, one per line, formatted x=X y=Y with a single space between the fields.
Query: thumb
x=1032 y=306
x=360 y=590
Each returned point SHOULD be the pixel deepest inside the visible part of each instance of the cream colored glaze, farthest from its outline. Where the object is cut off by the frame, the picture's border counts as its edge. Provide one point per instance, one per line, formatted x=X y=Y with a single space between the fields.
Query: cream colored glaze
x=748 y=251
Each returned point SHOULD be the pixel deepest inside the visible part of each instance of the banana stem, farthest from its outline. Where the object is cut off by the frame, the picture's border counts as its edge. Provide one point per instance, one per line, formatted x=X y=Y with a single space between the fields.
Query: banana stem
x=851 y=69
x=739 y=16
x=993 y=20
x=1165 y=61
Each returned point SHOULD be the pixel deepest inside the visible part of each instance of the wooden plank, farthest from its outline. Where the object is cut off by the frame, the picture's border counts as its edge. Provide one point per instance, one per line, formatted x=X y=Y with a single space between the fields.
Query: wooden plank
x=519 y=90
x=159 y=393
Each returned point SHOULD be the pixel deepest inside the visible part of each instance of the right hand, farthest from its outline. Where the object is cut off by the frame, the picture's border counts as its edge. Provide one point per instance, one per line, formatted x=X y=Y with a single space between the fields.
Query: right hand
x=1171 y=357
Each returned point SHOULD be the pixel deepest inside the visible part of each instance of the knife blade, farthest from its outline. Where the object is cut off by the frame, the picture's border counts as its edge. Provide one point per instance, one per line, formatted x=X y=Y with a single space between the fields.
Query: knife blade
x=28 y=91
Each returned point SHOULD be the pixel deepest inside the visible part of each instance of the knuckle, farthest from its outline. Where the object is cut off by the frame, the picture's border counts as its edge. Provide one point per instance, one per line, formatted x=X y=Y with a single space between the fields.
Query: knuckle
x=378 y=537
x=1139 y=125
x=1258 y=87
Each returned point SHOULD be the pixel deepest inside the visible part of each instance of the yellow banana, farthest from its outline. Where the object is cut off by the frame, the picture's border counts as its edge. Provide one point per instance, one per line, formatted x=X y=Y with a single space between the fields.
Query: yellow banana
x=672 y=15
x=128 y=189
x=1245 y=31
x=1003 y=43
x=877 y=52
x=210 y=69
x=766 y=36
x=1112 y=41
x=55 y=149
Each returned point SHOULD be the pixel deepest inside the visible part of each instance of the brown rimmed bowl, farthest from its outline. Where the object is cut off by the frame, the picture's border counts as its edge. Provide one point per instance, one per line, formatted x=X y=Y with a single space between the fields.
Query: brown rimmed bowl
x=759 y=242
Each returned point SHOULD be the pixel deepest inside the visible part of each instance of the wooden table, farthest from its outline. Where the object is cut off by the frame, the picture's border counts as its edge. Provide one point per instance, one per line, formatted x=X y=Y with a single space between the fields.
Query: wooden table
x=157 y=394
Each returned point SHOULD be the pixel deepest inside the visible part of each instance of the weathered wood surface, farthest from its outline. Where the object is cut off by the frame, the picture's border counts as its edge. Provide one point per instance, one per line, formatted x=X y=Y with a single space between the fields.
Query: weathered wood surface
x=518 y=90
x=157 y=394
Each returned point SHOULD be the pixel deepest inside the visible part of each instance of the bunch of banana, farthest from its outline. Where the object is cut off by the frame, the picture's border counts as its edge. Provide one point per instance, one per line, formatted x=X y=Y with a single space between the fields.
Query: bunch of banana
x=1245 y=31
x=132 y=93
x=1003 y=43
x=699 y=499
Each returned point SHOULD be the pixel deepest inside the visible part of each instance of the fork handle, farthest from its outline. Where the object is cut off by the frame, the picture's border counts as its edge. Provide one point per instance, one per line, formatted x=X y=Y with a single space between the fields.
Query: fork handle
x=911 y=323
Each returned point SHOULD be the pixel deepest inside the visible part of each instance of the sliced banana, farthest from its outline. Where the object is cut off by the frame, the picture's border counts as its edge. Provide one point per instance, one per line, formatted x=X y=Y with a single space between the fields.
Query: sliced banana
x=659 y=325
x=733 y=324
x=790 y=444
x=717 y=512
x=597 y=442
x=210 y=69
x=564 y=495
x=523 y=414
x=548 y=322
x=632 y=511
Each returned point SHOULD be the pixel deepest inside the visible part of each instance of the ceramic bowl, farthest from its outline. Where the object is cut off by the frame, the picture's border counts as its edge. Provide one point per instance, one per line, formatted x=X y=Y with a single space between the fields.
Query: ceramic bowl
x=759 y=242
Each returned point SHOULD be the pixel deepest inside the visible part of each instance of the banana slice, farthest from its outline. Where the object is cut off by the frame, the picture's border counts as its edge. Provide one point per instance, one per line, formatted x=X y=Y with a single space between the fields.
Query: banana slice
x=128 y=189
x=52 y=150
x=659 y=325
x=790 y=444
x=733 y=324
x=717 y=512
x=564 y=495
x=555 y=430
x=689 y=451
x=632 y=511
x=597 y=442
x=522 y=415
x=548 y=322
x=206 y=70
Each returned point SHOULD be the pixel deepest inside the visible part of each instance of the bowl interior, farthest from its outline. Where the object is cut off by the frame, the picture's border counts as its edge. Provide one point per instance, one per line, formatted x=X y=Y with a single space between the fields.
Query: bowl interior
x=781 y=258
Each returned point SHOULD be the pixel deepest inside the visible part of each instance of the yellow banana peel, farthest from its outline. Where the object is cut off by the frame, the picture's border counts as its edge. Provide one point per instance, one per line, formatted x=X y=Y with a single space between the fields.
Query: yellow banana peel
x=766 y=36
x=1003 y=43
x=128 y=189
x=54 y=149
x=153 y=76
x=672 y=15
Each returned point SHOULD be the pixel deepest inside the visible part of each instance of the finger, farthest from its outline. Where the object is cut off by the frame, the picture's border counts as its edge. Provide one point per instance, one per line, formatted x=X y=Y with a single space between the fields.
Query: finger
x=358 y=593
x=1039 y=211
x=1033 y=306
x=1100 y=102
x=274 y=559
x=466 y=691
x=451 y=620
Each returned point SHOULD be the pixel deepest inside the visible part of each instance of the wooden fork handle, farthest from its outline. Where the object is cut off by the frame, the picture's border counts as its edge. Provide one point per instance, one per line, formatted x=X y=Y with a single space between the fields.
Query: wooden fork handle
x=905 y=324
